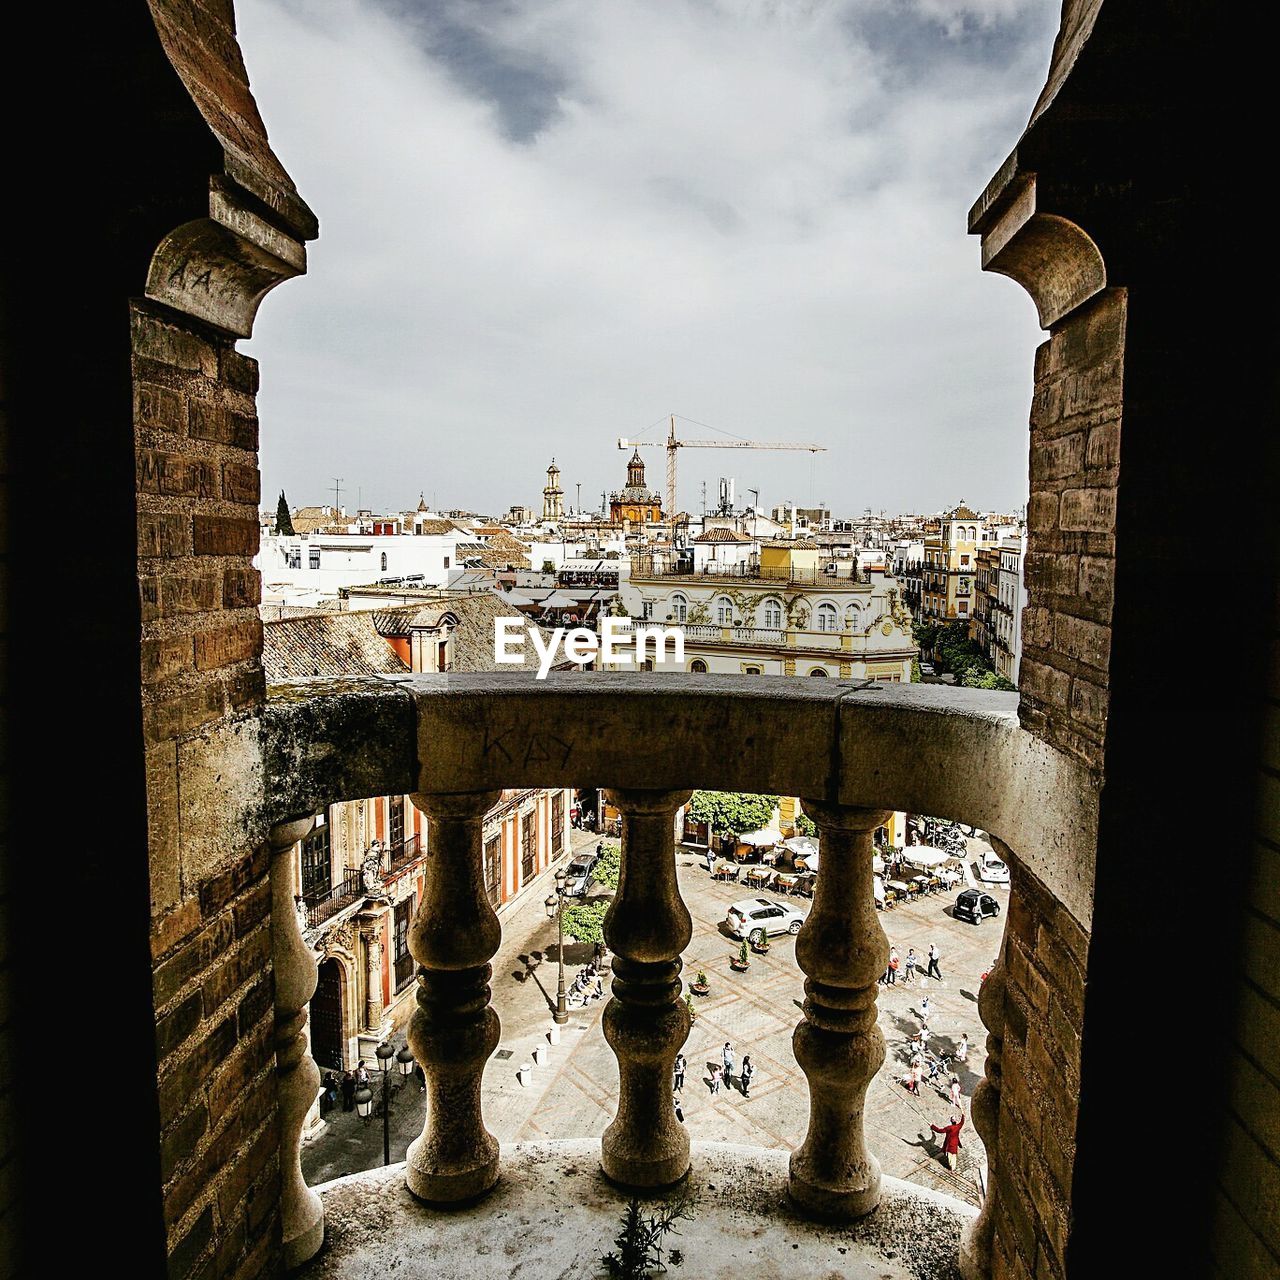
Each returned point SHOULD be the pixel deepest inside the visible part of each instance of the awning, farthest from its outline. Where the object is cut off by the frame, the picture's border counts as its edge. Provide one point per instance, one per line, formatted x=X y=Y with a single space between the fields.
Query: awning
x=805 y=846
x=924 y=855
x=765 y=836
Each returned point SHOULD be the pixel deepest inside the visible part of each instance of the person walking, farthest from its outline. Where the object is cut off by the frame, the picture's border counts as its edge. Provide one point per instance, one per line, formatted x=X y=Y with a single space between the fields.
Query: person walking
x=955 y=1091
x=962 y=1049
x=711 y=859
x=914 y=1073
x=727 y=1058
x=348 y=1091
x=925 y=1009
x=715 y=1079
x=911 y=965
x=679 y=1112
x=362 y=1074
x=893 y=966
x=933 y=970
x=745 y=1075
x=950 y=1140
x=678 y=1085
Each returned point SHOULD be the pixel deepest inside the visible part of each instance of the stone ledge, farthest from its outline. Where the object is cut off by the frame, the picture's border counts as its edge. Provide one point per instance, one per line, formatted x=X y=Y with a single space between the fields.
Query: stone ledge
x=554 y=1214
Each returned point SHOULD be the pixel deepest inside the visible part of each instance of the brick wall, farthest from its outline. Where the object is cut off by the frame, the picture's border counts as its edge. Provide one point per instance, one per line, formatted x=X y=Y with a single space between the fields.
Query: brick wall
x=196 y=434
x=1045 y=956
x=1074 y=468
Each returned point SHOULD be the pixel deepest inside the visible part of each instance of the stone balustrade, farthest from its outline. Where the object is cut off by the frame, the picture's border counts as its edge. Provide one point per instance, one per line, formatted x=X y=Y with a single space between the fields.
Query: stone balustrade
x=850 y=750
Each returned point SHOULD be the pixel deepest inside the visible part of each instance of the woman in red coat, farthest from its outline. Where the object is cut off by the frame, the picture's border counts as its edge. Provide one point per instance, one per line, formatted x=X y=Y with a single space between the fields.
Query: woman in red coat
x=951 y=1140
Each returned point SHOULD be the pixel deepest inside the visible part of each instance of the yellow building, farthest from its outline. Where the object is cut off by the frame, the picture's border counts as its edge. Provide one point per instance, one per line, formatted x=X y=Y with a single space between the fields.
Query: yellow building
x=636 y=502
x=951 y=567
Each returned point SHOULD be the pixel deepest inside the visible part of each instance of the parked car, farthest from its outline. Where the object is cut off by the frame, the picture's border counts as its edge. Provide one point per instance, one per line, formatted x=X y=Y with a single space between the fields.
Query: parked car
x=992 y=869
x=975 y=906
x=757 y=918
x=927 y=669
x=578 y=874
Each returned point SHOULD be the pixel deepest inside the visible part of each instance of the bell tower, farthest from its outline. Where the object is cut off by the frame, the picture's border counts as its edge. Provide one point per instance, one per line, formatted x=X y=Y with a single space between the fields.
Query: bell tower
x=553 y=495
x=635 y=471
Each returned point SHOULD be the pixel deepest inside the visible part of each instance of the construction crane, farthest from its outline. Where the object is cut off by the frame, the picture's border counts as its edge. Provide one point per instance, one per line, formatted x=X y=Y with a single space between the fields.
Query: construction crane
x=672 y=445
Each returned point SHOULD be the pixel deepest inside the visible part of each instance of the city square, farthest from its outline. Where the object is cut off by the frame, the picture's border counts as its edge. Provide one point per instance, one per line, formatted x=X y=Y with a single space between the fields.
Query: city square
x=575 y=1093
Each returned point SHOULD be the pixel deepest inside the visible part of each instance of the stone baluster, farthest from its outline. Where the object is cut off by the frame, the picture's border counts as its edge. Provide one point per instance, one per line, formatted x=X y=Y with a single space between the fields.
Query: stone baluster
x=297 y=1076
x=647 y=928
x=454 y=1030
x=977 y=1241
x=843 y=951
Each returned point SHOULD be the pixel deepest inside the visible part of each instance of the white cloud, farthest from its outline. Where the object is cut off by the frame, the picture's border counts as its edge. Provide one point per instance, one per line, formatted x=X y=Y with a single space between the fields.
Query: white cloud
x=751 y=214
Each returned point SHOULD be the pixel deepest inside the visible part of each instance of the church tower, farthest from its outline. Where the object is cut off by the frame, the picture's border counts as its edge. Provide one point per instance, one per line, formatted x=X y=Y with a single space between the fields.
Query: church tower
x=553 y=494
x=635 y=471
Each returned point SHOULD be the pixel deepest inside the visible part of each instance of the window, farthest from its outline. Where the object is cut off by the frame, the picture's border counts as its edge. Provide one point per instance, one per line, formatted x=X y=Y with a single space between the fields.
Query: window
x=699 y=666
x=964 y=559
x=724 y=611
x=679 y=608
x=446 y=562
x=646 y=609
x=317 y=865
x=313 y=557
x=493 y=869
x=751 y=671
x=557 y=823
x=395 y=821
x=403 y=959
x=963 y=606
x=826 y=617
x=528 y=845
x=384 y=562
x=773 y=614
x=818 y=671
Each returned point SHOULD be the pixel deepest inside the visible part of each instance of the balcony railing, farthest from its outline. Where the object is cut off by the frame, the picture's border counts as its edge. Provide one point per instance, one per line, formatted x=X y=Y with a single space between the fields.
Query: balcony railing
x=750 y=570
x=399 y=856
x=852 y=750
x=323 y=904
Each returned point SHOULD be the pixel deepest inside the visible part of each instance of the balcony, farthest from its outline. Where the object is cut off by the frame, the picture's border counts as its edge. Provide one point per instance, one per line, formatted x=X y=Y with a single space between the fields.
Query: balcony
x=750 y=571
x=851 y=751
x=324 y=904
x=401 y=855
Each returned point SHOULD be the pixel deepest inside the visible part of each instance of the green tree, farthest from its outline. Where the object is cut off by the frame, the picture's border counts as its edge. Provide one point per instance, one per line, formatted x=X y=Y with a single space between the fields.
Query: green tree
x=609 y=866
x=284 y=521
x=584 y=921
x=805 y=825
x=916 y=677
x=976 y=678
x=926 y=634
x=730 y=813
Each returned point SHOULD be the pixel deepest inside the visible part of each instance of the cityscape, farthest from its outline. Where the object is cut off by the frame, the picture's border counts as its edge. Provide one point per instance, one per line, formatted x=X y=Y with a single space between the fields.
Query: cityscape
x=622 y=565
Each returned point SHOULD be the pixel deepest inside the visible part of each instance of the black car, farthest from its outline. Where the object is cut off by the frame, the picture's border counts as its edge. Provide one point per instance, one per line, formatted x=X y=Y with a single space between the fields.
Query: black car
x=974 y=905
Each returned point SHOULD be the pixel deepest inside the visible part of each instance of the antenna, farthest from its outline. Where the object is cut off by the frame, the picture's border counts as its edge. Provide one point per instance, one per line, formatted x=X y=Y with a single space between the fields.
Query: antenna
x=337 y=489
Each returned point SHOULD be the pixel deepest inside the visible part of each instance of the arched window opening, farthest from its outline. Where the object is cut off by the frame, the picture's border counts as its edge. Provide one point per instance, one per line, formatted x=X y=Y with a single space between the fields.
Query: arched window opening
x=826 y=617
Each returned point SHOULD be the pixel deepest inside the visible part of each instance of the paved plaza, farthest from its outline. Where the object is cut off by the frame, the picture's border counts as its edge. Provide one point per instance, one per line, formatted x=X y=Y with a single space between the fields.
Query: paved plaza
x=574 y=1094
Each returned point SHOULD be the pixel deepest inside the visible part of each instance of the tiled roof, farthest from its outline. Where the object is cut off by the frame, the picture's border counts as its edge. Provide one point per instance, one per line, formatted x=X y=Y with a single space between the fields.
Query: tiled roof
x=432 y=526
x=722 y=535
x=326 y=644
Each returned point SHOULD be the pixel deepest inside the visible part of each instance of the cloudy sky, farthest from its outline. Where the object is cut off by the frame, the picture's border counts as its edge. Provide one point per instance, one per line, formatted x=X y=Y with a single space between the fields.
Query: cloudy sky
x=549 y=223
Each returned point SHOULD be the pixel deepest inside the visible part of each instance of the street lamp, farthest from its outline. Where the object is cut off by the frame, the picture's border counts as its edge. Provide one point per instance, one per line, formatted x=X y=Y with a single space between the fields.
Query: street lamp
x=364 y=1095
x=555 y=909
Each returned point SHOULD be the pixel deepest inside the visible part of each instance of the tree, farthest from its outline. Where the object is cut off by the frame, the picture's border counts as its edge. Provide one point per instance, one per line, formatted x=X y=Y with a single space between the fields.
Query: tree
x=609 y=866
x=730 y=813
x=976 y=678
x=926 y=635
x=805 y=825
x=584 y=921
x=284 y=521
x=916 y=677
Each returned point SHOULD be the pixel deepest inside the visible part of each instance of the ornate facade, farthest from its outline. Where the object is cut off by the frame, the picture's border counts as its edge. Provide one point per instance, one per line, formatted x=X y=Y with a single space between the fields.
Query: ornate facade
x=637 y=502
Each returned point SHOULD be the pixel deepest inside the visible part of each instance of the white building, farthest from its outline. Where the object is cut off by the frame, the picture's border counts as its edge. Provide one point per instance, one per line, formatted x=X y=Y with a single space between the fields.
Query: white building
x=1011 y=598
x=787 y=611
x=310 y=569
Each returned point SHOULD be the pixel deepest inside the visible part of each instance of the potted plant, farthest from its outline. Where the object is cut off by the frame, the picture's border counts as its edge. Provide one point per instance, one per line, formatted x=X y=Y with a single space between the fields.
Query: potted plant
x=700 y=987
x=760 y=945
x=688 y=1004
x=742 y=961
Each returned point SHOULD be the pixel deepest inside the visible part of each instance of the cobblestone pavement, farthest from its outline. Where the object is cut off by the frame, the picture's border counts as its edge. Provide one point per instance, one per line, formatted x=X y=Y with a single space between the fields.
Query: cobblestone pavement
x=574 y=1094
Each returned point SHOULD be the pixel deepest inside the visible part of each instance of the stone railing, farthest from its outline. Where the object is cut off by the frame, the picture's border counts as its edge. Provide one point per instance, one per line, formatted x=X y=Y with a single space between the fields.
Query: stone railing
x=851 y=751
